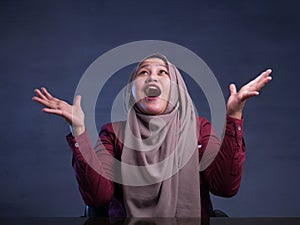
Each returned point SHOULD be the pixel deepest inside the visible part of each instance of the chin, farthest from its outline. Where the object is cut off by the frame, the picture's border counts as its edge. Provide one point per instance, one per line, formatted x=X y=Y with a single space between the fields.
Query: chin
x=153 y=110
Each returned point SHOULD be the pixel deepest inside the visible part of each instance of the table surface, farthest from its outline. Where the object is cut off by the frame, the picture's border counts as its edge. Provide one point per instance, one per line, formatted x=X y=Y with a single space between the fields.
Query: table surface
x=150 y=221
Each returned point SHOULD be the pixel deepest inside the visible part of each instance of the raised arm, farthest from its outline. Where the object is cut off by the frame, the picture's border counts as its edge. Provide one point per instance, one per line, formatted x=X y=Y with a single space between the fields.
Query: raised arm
x=95 y=189
x=225 y=172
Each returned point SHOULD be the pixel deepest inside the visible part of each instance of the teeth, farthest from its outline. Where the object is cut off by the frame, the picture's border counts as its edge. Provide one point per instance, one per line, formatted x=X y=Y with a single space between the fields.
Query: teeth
x=152 y=87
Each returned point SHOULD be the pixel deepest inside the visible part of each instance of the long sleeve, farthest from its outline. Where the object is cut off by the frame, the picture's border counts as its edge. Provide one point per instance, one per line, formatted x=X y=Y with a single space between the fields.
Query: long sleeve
x=92 y=167
x=223 y=175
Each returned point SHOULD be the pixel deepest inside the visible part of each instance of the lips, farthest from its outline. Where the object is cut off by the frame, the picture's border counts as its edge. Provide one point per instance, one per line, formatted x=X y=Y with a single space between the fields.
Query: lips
x=152 y=91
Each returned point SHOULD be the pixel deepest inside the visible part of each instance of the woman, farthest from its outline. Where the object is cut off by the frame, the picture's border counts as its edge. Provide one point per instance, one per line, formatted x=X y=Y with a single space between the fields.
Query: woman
x=162 y=129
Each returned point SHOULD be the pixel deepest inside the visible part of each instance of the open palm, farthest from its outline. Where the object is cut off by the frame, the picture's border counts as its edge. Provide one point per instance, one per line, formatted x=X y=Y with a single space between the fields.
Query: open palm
x=236 y=101
x=73 y=114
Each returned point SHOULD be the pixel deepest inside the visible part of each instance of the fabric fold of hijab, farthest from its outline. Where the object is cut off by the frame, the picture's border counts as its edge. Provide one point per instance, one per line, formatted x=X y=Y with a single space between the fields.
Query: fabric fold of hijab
x=163 y=149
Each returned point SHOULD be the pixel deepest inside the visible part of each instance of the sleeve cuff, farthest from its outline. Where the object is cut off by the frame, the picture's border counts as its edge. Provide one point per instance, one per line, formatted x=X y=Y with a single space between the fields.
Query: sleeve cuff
x=82 y=141
x=235 y=127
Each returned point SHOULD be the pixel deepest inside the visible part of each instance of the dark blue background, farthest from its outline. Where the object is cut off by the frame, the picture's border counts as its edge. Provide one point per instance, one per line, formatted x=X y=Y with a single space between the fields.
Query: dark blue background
x=52 y=43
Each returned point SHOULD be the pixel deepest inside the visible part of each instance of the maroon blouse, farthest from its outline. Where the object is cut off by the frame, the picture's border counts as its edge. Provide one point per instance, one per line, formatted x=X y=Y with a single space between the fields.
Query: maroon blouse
x=222 y=177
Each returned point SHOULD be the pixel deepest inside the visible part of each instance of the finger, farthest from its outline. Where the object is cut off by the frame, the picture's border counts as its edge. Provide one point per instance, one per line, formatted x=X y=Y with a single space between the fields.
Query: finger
x=232 y=89
x=51 y=104
x=268 y=71
x=53 y=111
x=77 y=100
x=248 y=94
x=264 y=74
x=266 y=80
x=41 y=101
x=263 y=80
x=260 y=81
x=40 y=94
x=47 y=94
x=59 y=112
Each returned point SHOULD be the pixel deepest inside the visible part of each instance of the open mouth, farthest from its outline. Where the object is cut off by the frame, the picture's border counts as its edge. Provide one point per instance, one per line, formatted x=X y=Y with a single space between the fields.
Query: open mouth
x=152 y=91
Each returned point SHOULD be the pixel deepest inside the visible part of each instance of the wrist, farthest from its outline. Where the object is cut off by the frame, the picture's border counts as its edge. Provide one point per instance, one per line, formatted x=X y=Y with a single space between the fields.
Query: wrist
x=78 y=130
x=236 y=115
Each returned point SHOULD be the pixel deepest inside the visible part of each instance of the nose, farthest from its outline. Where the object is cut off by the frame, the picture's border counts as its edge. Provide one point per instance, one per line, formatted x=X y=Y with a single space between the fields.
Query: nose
x=151 y=78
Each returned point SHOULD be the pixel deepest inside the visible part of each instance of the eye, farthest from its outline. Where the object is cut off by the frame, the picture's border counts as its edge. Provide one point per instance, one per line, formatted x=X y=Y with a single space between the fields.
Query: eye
x=163 y=72
x=143 y=72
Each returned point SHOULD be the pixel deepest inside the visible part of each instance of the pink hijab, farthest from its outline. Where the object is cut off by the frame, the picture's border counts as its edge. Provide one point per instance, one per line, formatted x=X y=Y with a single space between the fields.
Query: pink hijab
x=163 y=148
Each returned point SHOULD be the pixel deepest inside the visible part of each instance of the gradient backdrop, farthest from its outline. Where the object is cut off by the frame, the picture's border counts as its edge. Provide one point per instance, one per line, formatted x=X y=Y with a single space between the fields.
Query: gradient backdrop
x=52 y=43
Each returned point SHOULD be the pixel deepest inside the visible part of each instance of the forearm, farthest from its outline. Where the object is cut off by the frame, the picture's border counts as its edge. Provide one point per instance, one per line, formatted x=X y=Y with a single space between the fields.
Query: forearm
x=224 y=174
x=95 y=189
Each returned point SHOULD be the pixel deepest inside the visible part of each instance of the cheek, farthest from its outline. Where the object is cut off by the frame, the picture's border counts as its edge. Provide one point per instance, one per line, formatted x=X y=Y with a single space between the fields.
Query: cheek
x=134 y=93
x=136 y=90
x=167 y=88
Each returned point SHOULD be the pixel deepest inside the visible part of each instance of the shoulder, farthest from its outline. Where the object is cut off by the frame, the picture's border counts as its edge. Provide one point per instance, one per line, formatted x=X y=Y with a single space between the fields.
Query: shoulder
x=203 y=122
x=202 y=119
x=114 y=130
x=204 y=127
x=113 y=127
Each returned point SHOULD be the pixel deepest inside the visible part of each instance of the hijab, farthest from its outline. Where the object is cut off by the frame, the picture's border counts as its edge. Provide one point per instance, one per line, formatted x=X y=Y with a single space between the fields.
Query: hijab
x=163 y=149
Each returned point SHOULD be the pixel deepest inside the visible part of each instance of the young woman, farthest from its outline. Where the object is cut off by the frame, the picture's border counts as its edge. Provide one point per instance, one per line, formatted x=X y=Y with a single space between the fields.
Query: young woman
x=164 y=140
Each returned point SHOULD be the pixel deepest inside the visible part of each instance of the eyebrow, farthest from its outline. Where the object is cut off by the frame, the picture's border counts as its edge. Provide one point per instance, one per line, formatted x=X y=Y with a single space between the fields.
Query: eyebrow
x=146 y=65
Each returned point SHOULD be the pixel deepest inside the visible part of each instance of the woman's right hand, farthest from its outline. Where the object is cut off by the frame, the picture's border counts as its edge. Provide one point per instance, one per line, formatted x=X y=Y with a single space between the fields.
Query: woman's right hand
x=73 y=114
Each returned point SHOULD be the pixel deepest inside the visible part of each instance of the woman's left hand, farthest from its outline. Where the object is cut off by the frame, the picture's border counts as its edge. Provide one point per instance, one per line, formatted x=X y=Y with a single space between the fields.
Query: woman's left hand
x=236 y=101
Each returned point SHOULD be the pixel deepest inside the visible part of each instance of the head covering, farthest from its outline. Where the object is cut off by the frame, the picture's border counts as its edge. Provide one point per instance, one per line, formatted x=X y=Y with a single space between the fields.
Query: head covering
x=163 y=148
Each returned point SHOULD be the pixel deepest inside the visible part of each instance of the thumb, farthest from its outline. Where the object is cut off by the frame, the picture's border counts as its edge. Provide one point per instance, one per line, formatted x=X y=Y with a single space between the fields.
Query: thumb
x=77 y=100
x=232 y=89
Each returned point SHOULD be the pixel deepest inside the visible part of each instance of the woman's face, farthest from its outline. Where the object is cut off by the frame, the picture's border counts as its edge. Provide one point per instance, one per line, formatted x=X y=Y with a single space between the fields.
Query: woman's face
x=151 y=87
